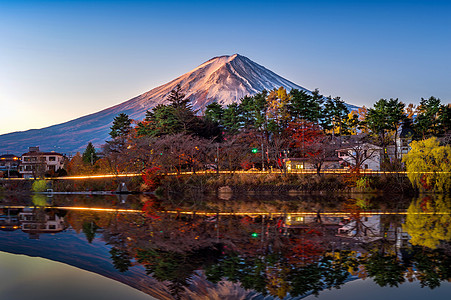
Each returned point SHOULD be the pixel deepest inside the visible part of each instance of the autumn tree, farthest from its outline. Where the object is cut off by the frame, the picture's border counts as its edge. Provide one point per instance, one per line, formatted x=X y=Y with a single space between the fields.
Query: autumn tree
x=304 y=141
x=320 y=150
x=277 y=113
x=179 y=152
x=428 y=221
x=428 y=165
x=353 y=123
x=76 y=166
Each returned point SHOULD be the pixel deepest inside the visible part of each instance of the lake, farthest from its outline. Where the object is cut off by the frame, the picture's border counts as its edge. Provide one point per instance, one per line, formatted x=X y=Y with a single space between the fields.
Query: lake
x=259 y=246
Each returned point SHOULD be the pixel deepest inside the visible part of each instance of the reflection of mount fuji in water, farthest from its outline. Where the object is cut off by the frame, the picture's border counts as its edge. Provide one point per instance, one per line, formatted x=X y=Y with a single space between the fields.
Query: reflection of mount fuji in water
x=71 y=236
x=224 y=79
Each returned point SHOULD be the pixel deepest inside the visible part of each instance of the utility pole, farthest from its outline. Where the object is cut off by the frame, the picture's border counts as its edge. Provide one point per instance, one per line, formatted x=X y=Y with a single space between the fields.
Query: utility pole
x=217 y=158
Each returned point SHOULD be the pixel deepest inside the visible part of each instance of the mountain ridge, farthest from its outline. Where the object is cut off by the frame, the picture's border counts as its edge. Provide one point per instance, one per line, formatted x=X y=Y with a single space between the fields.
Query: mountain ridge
x=223 y=79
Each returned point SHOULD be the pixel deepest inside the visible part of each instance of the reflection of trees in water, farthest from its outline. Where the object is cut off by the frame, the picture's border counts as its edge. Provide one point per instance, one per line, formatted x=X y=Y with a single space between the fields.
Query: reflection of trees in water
x=258 y=253
x=121 y=259
x=89 y=229
x=428 y=221
x=385 y=268
x=433 y=266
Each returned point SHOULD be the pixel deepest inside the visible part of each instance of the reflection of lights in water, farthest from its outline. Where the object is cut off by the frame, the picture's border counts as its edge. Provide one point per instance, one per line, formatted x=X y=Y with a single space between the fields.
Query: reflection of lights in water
x=297 y=215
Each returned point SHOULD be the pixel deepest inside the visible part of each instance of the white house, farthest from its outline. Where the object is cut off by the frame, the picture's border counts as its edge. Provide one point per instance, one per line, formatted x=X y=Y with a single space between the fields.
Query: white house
x=364 y=156
x=35 y=162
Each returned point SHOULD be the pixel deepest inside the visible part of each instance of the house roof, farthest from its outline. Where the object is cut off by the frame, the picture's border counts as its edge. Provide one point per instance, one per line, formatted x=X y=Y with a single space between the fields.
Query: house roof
x=33 y=153
x=306 y=159
x=7 y=156
x=361 y=146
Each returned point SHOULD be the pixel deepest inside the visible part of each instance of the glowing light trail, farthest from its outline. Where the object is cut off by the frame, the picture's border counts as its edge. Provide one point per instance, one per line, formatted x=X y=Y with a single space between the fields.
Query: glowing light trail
x=209 y=214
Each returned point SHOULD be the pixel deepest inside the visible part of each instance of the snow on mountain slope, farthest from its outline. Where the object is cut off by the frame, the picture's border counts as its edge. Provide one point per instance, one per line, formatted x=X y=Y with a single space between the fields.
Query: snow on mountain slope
x=223 y=79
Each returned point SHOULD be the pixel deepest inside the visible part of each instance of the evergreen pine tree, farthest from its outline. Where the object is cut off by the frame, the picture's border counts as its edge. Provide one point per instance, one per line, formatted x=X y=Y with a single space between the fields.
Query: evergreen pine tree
x=90 y=155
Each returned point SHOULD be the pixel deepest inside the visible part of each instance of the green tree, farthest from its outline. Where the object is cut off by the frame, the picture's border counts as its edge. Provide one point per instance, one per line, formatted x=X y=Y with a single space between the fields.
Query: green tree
x=305 y=107
x=335 y=113
x=445 y=117
x=90 y=155
x=176 y=117
x=232 y=119
x=177 y=98
x=428 y=165
x=427 y=122
x=214 y=112
x=161 y=121
x=384 y=118
x=121 y=127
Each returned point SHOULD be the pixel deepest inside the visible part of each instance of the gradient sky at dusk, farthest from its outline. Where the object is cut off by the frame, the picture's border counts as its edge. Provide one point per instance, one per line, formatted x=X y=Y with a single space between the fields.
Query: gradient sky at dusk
x=60 y=60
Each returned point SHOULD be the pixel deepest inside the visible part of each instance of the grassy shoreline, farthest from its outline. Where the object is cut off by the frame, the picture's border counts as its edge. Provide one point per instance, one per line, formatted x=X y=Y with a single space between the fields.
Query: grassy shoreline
x=234 y=183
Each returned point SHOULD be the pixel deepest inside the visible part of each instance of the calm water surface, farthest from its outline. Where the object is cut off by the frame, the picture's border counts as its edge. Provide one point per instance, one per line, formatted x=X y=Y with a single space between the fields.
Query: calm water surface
x=256 y=247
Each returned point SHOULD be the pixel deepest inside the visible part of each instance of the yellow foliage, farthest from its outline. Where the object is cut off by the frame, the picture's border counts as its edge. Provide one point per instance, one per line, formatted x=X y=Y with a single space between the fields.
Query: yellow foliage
x=410 y=111
x=429 y=221
x=428 y=165
x=277 y=104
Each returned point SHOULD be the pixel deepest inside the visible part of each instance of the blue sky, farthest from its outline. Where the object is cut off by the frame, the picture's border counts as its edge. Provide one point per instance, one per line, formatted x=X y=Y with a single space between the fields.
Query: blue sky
x=63 y=59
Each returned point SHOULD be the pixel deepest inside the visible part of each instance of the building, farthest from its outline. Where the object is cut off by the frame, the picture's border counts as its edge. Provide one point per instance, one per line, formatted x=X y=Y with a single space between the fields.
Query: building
x=361 y=155
x=36 y=163
x=36 y=221
x=304 y=163
x=9 y=163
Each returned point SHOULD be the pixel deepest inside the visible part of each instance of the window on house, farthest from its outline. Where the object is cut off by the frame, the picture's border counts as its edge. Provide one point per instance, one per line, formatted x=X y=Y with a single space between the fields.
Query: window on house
x=366 y=166
x=52 y=158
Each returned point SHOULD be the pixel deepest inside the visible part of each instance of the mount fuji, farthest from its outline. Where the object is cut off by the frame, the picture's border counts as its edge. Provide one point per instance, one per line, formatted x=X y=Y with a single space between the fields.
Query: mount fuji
x=223 y=79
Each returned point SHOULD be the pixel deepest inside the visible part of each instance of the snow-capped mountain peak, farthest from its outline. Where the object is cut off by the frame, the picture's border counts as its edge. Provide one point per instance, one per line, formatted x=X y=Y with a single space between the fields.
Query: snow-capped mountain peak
x=223 y=79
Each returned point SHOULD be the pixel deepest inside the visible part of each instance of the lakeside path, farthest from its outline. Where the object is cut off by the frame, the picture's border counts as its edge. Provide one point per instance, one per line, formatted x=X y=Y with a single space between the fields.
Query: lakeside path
x=303 y=172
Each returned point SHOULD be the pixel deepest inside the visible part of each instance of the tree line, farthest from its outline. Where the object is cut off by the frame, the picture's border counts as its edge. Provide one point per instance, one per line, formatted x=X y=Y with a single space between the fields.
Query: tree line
x=262 y=130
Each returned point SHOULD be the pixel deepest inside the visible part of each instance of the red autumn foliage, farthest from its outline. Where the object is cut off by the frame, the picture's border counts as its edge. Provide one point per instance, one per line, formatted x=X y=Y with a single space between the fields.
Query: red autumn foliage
x=304 y=251
x=152 y=178
x=303 y=133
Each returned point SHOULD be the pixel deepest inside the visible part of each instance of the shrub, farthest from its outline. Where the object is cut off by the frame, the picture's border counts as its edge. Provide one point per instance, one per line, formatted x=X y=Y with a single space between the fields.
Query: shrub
x=39 y=185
